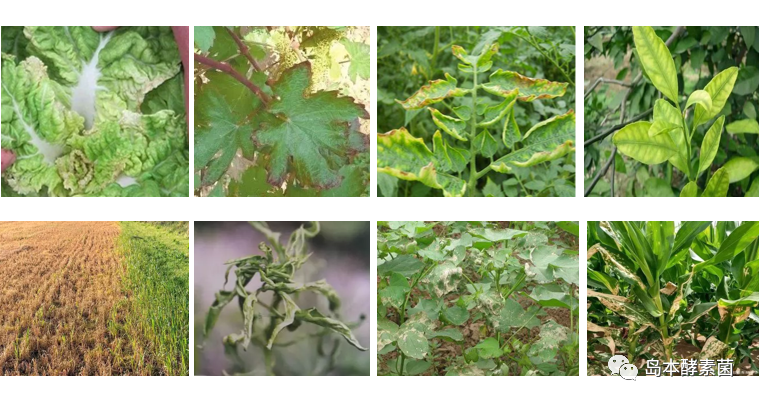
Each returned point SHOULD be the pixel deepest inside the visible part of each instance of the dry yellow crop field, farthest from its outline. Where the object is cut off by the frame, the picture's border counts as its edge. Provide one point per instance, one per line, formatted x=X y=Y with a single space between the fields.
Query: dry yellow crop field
x=66 y=305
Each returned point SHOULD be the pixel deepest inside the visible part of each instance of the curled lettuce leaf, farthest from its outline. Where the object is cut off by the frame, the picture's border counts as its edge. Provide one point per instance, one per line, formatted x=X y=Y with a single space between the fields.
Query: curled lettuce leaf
x=94 y=114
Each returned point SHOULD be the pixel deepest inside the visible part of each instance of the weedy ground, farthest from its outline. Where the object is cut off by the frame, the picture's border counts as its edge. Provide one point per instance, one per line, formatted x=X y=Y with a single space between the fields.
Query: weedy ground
x=87 y=298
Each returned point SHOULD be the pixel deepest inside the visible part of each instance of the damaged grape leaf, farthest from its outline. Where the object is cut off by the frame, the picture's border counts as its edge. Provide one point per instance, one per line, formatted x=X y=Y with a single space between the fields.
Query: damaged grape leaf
x=309 y=136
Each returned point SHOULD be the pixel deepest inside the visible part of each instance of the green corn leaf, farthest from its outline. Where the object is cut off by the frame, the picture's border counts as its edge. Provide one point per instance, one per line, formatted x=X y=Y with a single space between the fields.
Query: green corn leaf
x=740 y=167
x=633 y=140
x=657 y=61
x=719 y=88
x=449 y=158
x=738 y=240
x=623 y=307
x=710 y=145
x=315 y=317
x=747 y=126
x=547 y=140
x=506 y=83
x=433 y=92
x=718 y=184
x=451 y=125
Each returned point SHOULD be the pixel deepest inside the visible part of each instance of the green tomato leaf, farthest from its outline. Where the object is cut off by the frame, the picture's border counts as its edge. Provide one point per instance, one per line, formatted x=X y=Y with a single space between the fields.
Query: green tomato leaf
x=546 y=141
x=408 y=158
x=451 y=125
x=485 y=144
x=309 y=136
x=657 y=61
x=511 y=134
x=449 y=158
x=506 y=83
x=633 y=140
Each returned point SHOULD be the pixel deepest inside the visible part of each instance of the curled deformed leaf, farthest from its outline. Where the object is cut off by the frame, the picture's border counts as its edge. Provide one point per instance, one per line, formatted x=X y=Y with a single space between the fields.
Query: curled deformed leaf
x=289 y=317
x=315 y=317
x=506 y=83
x=451 y=125
x=701 y=98
x=449 y=158
x=547 y=140
x=223 y=298
x=433 y=92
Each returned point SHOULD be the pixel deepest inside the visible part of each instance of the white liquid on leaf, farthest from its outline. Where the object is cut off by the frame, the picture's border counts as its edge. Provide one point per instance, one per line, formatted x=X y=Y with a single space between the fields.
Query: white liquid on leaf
x=126 y=181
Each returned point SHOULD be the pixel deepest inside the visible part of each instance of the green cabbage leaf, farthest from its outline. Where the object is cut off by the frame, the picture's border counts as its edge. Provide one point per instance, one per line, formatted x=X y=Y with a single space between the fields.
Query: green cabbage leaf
x=93 y=114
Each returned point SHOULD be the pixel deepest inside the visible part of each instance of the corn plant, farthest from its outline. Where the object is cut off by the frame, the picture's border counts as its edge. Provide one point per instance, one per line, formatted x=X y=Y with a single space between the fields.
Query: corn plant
x=276 y=269
x=656 y=281
x=452 y=165
x=454 y=297
x=670 y=136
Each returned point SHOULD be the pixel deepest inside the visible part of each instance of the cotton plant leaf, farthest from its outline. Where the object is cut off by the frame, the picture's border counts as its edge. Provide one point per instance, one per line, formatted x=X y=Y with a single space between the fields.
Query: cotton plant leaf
x=401 y=155
x=434 y=92
x=308 y=138
x=506 y=83
x=443 y=278
x=546 y=141
x=513 y=315
x=359 y=59
x=552 y=335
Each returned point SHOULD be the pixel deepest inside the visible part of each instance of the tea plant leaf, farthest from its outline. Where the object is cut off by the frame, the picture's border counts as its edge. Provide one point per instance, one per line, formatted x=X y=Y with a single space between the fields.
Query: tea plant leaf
x=315 y=317
x=359 y=55
x=456 y=315
x=718 y=184
x=489 y=349
x=690 y=190
x=746 y=126
x=223 y=135
x=451 y=125
x=408 y=158
x=309 y=136
x=657 y=61
x=405 y=265
x=506 y=83
x=633 y=140
x=413 y=343
x=449 y=158
x=710 y=145
x=223 y=297
x=443 y=278
x=433 y=92
x=740 y=167
x=548 y=140
x=719 y=88
x=668 y=121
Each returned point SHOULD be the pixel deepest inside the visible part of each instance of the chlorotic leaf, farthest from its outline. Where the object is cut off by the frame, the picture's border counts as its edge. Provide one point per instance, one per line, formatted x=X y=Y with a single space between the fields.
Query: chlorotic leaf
x=401 y=155
x=449 y=158
x=689 y=190
x=718 y=184
x=633 y=140
x=700 y=98
x=740 y=167
x=505 y=83
x=451 y=125
x=359 y=55
x=747 y=126
x=309 y=136
x=546 y=141
x=433 y=92
x=719 y=88
x=657 y=61
x=710 y=145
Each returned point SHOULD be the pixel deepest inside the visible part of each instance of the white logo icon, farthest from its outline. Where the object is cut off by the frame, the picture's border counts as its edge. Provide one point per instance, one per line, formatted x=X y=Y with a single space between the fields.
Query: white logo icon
x=616 y=362
x=628 y=371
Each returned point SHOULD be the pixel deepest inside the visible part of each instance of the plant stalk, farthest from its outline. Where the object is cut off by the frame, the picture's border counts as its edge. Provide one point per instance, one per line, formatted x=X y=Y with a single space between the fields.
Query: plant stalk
x=472 y=154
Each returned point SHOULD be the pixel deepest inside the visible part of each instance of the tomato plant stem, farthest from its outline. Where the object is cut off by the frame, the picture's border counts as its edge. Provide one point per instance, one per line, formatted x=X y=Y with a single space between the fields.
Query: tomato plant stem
x=472 y=154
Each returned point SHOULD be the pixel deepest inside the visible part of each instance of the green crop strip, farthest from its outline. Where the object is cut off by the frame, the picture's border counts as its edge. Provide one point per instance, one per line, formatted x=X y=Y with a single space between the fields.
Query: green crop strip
x=156 y=257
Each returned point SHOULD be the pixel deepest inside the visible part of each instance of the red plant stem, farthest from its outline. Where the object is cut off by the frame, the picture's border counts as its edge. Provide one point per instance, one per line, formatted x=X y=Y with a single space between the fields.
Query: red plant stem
x=226 y=68
x=246 y=52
